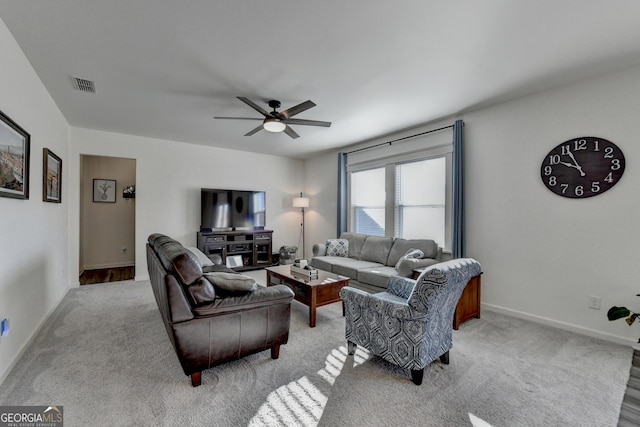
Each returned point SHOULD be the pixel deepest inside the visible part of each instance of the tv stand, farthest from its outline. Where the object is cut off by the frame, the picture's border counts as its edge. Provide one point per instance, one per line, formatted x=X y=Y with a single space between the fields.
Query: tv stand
x=252 y=248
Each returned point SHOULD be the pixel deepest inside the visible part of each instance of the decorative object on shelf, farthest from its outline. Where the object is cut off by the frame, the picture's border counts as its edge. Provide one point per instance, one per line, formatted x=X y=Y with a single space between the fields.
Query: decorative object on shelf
x=616 y=313
x=582 y=167
x=301 y=202
x=15 y=144
x=104 y=190
x=129 y=192
x=51 y=177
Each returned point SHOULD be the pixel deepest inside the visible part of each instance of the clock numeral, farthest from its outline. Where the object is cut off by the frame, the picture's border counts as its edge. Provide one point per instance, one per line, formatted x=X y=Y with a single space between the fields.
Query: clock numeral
x=579 y=190
x=609 y=178
x=554 y=159
x=595 y=187
x=564 y=187
x=608 y=153
x=566 y=150
x=581 y=144
x=548 y=170
x=552 y=181
x=596 y=147
x=615 y=164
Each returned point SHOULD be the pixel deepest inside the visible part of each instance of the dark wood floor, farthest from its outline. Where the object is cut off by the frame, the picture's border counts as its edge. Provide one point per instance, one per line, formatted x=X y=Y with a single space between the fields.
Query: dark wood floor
x=104 y=275
x=630 y=410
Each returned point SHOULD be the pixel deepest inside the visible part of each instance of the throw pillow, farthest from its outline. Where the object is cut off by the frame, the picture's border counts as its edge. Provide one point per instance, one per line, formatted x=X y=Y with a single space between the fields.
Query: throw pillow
x=338 y=247
x=232 y=282
x=410 y=254
x=202 y=258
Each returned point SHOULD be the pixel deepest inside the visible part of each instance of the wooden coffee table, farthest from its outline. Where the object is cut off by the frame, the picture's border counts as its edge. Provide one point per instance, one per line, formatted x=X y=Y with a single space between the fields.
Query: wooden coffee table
x=312 y=293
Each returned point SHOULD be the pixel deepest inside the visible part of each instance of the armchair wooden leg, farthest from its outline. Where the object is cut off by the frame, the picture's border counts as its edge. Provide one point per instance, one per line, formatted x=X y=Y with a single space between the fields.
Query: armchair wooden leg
x=445 y=358
x=416 y=376
x=275 y=351
x=196 y=379
x=351 y=348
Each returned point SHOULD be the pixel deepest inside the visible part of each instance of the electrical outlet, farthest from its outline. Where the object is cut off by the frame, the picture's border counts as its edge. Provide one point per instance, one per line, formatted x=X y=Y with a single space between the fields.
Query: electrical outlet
x=124 y=250
x=594 y=302
x=4 y=327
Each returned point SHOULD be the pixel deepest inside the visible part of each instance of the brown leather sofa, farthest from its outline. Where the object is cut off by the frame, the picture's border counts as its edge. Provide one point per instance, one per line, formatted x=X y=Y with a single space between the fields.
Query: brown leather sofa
x=206 y=326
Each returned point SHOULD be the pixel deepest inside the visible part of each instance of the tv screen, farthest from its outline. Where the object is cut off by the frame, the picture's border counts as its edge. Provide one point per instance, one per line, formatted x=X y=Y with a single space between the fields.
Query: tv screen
x=232 y=210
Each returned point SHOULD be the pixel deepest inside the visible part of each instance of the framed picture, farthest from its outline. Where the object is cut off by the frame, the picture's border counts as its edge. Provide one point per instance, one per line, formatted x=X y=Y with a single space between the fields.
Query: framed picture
x=51 y=177
x=14 y=159
x=104 y=190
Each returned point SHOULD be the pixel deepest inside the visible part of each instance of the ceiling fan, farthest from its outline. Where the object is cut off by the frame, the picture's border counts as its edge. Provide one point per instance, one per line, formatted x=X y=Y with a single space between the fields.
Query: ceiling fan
x=278 y=121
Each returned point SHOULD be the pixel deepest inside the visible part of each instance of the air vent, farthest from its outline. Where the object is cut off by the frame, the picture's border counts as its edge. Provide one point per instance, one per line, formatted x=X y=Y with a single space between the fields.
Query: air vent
x=84 y=85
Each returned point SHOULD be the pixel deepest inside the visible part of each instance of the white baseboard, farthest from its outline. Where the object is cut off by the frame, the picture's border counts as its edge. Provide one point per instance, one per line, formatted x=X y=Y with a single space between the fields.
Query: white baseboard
x=560 y=325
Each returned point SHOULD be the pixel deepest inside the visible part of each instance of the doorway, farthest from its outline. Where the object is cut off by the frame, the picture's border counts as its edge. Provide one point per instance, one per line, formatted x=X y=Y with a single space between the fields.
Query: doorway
x=107 y=219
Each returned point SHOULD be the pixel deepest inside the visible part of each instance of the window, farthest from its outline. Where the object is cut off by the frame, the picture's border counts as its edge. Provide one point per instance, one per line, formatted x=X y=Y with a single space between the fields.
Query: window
x=420 y=199
x=414 y=205
x=368 y=202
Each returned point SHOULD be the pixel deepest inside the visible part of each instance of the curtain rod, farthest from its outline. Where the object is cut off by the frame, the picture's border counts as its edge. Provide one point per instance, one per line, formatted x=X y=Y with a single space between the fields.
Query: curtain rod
x=399 y=139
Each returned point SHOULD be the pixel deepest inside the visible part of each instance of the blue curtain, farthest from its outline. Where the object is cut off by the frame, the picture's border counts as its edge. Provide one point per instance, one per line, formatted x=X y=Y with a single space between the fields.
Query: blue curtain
x=342 y=193
x=458 y=249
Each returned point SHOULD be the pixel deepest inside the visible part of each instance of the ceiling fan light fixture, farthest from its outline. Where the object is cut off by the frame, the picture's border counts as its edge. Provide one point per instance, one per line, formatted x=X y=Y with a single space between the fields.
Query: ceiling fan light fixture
x=273 y=125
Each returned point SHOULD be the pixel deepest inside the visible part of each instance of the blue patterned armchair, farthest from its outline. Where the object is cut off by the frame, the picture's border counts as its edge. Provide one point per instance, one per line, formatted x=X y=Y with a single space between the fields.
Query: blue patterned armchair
x=409 y=325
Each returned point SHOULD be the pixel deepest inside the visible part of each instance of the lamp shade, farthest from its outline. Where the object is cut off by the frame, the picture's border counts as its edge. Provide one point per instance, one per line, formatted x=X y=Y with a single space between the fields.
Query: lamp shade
x=273 y=125
x=301 y=202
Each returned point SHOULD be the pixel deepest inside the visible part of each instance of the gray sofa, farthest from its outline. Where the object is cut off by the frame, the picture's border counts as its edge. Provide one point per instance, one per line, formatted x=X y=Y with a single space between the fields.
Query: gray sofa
x=369 y=261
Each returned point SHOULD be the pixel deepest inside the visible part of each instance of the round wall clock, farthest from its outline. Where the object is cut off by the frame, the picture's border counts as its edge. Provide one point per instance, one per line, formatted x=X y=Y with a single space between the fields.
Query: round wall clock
x=582 y=167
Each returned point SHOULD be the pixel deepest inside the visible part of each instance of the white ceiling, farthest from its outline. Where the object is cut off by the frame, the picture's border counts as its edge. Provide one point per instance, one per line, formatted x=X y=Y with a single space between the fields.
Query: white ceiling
x=164 y=68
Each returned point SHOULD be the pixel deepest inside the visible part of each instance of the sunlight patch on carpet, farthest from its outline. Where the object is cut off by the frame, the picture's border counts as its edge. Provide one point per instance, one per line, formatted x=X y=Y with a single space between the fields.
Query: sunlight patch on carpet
x=301 y=403
x=477 y=422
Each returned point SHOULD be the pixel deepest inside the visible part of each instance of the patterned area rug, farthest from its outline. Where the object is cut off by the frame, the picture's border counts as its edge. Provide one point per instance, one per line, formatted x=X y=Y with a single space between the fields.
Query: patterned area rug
x=105 y=356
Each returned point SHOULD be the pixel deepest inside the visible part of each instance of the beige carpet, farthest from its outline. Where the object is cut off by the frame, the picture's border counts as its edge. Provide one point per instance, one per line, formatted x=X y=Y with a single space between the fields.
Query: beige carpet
x=105 y=356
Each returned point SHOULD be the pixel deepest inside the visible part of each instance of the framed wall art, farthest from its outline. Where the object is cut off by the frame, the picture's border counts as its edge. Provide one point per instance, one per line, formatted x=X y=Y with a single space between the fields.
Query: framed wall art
x=104 y=190
x=51 y=177
x=14 y=159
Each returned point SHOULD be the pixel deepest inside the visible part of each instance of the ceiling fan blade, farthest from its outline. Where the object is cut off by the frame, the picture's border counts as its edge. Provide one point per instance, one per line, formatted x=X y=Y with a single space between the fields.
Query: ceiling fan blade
x=307 y=122
x=239 y=118
x=253 y=105
x=290 y=112
x=251 y=132
x=291 y=132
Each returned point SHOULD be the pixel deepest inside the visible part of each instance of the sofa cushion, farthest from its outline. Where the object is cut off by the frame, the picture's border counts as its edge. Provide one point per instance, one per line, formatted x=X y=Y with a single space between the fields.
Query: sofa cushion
x=232 y=282
x=376 y=249
x=350 y=267
x=176 y=259
x=201 y=292
x=376 y=276
x=338 y=247
x=356 y=242
x=401 y=246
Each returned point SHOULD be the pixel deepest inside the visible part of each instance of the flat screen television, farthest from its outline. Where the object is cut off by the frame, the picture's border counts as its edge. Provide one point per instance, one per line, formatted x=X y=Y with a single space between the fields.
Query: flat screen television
x=227 y=210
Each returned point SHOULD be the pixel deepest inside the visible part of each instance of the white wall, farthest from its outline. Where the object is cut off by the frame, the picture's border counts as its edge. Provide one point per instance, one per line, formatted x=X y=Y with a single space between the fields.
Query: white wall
x=542 y=255
x=33 y=249
x=169 y=176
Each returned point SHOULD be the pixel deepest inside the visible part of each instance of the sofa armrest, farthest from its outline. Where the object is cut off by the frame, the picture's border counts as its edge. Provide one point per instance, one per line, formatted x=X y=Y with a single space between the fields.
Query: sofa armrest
x=319 y=249
x=445 y=256
x=358 y=300
x=406 y=266
x=261 y=297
